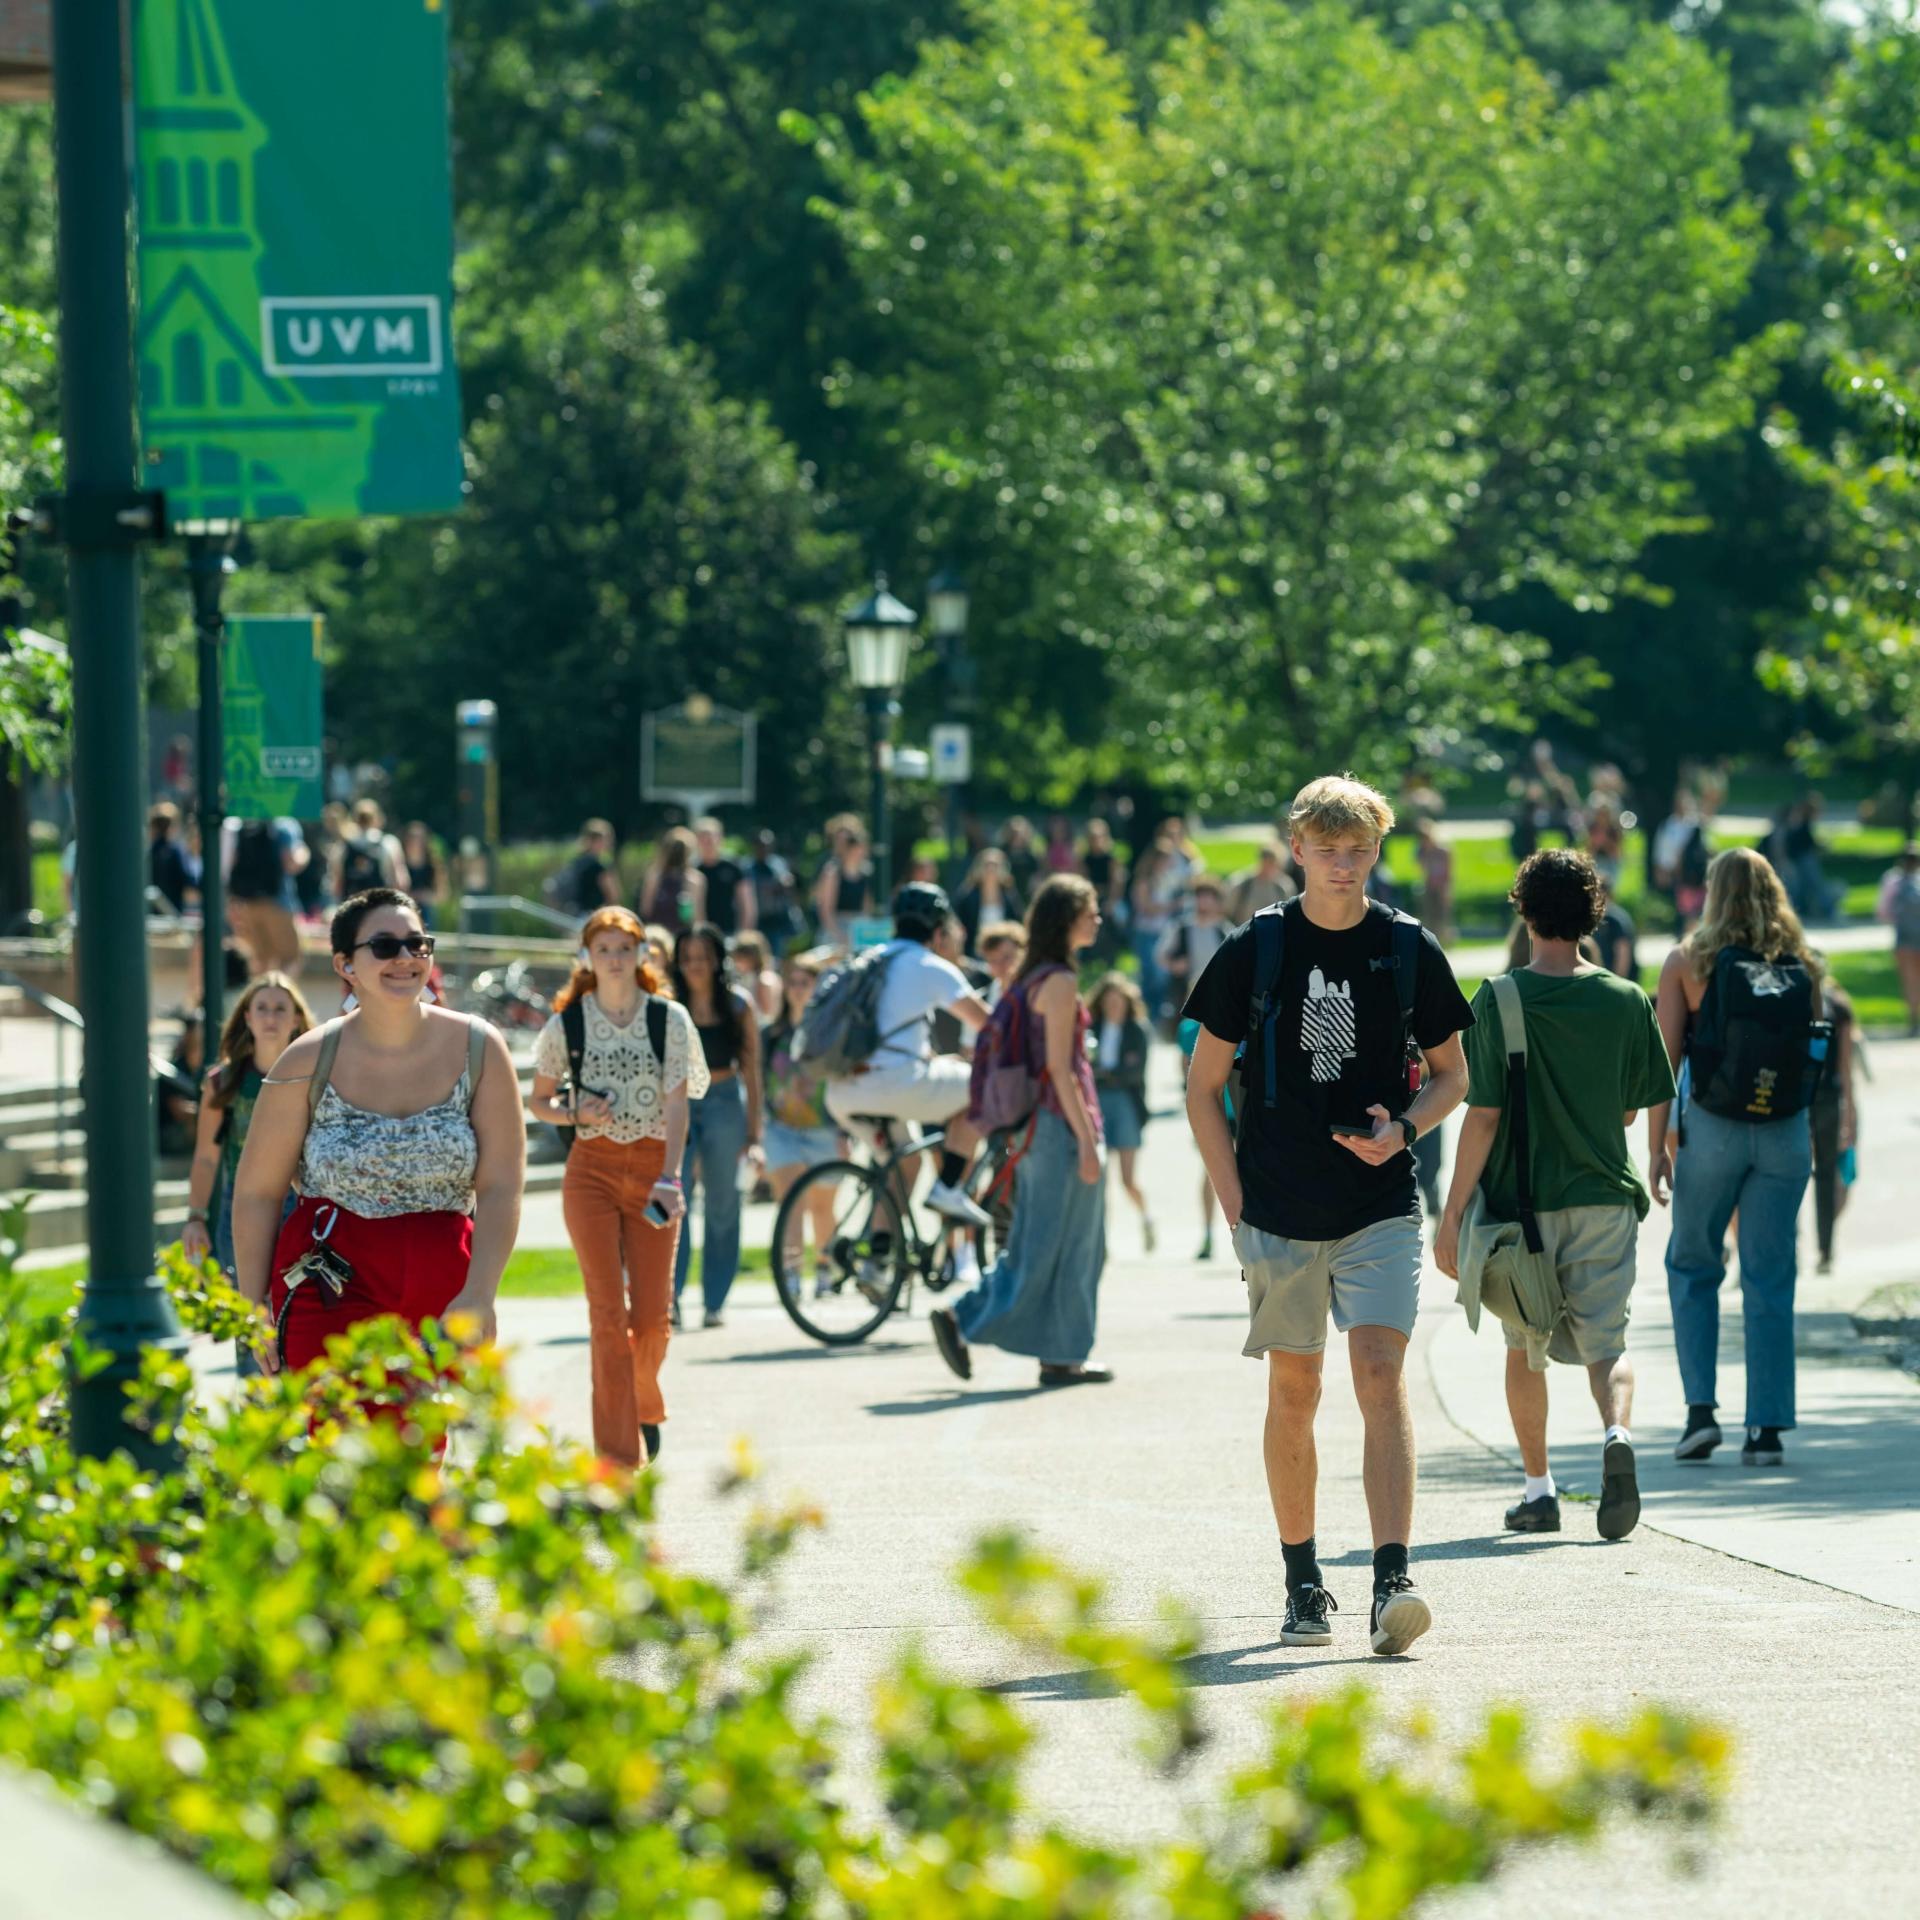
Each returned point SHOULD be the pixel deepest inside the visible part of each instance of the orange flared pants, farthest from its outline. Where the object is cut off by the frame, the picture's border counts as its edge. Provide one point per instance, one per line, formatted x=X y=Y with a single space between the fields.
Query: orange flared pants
x=626 y=1264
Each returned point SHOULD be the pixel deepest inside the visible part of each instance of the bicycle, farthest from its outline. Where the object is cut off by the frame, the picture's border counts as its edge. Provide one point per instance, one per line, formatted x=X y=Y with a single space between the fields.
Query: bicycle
x=866 y=1270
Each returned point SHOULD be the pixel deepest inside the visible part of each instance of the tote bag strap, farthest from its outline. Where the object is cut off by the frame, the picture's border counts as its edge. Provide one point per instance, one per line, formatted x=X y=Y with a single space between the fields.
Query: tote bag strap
x=1513 y=1032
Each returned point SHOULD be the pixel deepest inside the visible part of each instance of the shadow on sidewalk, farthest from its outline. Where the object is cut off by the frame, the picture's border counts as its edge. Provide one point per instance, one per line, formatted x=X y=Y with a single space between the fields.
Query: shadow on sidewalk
x=803 y=1353
x=1226 y=1668
x=936 y=1401
x=1482 y=1546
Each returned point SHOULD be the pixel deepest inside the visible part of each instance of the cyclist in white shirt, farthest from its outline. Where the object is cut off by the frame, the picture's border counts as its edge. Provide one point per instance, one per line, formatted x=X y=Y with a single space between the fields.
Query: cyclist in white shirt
x=906 y=1079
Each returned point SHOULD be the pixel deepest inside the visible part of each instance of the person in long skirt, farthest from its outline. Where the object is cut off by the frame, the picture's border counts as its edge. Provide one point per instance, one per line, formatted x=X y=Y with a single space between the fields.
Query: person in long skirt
x=1041 y=1296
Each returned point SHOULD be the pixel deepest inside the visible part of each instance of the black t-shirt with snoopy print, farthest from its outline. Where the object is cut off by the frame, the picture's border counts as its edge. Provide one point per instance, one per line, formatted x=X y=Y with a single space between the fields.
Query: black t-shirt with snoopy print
x=1338 y=1052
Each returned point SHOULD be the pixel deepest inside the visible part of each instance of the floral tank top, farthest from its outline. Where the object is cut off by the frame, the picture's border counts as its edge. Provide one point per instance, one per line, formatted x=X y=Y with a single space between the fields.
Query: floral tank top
x=382 y=1165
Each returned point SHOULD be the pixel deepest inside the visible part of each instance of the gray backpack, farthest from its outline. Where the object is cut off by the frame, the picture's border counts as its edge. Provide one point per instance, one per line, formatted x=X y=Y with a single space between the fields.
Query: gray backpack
x=840 y=1030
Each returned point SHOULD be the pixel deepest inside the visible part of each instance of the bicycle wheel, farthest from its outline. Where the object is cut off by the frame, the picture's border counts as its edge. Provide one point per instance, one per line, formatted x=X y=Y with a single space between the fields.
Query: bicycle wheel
x=839 y=1291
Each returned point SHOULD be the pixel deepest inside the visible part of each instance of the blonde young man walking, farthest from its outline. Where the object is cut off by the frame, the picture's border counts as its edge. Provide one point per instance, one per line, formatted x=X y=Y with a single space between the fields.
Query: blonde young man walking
x=1319 y=1189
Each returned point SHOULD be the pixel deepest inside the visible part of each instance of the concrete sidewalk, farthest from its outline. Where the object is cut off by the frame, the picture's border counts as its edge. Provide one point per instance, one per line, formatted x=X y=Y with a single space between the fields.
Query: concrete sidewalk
x=1155 y=1482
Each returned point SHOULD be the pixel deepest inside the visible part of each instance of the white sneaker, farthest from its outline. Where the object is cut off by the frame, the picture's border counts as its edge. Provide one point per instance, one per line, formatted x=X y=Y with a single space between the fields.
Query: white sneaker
x=966 y=1265
x=955 y=1205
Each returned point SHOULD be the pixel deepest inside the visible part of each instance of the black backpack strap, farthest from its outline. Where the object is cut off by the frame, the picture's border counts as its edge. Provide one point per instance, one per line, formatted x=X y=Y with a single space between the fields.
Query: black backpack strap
x=657 y=1028
x=573 y=1024
x=1513 y=1033
x=1263 y=1010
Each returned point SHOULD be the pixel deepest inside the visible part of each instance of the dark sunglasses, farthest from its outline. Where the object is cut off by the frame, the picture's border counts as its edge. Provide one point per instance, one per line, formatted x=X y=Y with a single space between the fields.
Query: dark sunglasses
x=389 y=946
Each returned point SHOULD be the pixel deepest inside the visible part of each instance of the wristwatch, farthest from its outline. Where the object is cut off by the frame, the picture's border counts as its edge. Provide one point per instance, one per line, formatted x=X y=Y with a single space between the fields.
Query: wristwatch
x=1412 y=1132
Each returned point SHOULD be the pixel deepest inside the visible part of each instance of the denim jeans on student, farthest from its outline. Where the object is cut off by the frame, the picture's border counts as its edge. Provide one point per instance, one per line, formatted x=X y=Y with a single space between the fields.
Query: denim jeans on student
x=716 y=1138
x=1153 y=978
x=1762 y=1172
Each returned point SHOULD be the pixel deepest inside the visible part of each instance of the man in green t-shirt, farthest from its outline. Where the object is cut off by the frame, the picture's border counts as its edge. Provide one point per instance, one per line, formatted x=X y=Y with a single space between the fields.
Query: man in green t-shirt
x=1594 y=1059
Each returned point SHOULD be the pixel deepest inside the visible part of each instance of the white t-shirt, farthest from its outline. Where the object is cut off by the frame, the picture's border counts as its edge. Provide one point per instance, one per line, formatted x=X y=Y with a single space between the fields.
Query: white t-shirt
x=918 y=981
x=1111 y=1034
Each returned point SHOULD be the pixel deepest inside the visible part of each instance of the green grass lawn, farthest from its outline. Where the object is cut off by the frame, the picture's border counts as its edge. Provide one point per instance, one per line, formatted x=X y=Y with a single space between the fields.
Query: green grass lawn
x=534 y=1273
x=1871 y=981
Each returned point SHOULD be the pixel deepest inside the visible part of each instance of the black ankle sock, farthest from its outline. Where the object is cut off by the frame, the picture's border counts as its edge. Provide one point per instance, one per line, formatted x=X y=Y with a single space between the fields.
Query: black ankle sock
x=953 y=1168
x=1700 y=1414
x=1303 y=1564
x=1387 y=1561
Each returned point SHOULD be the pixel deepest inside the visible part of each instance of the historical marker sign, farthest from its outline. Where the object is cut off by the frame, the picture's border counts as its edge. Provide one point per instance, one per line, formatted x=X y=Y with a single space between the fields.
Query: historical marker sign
x=296 y=250
x=271 y=692
x=697 y=754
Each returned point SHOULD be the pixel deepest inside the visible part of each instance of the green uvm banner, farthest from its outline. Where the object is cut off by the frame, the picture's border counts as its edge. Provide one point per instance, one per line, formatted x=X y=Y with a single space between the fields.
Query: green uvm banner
x=271 y=691
x=296 y=250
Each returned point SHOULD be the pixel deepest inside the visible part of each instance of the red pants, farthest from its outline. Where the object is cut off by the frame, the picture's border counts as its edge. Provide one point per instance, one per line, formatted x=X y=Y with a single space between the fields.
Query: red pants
x=626 y=1265
x=412 y=1266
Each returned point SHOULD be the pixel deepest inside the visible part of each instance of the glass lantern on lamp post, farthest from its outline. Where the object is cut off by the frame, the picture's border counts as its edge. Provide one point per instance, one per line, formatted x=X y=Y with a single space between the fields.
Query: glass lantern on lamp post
x=880 y=633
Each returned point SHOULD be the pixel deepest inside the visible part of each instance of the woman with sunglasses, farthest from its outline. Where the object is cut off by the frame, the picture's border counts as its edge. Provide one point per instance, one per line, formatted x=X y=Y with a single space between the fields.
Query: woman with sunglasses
x=723 y=1130
x=401 y=1125
x=621 y=1194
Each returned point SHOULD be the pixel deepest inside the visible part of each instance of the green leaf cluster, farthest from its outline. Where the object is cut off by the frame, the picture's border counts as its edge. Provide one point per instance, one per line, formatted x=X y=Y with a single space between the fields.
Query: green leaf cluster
x=1855 y=666
x=377 y=1650
x=1274 y=385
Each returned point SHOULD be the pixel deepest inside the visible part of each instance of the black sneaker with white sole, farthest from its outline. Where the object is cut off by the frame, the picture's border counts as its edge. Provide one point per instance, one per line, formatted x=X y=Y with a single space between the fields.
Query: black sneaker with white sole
x=1535 y=1516
x=951 y=1342
x=1400 y=1614
x=1701 y=1437
x=1619 y=1491
x=1763 y=1448
x=1306 y=1622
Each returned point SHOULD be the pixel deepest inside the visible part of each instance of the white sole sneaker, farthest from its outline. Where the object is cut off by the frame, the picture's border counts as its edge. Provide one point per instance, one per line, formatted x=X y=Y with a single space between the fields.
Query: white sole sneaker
x=951 y=1204
x=1399 y=1621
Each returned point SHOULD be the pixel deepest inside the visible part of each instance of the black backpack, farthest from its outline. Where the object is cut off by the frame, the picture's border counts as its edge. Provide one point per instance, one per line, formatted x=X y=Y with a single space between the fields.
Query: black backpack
x=257 y=869
x=1757 y=1051
x=1256 y=1067
x=573 y=1023
x=361 y=866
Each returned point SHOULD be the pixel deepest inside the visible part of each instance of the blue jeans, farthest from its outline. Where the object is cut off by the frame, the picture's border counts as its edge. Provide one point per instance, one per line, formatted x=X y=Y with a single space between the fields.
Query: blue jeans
x=1762 y=1171
x=716 y=1138
x=1153 y=982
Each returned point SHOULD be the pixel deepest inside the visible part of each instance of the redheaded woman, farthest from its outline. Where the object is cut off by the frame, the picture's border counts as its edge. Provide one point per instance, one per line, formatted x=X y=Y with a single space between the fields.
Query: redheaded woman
x=408 y=1205
x=630 y=1065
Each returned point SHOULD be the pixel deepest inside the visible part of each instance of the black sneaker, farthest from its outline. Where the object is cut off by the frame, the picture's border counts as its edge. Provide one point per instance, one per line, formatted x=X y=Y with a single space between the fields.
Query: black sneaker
x=1619 y=1491
x=650 y=1438
x=1306 y=1622
x=1701 y=1437
x=951 y=1342
x=1535 y=1516
x=1763 y=1448
x=1400 y=1616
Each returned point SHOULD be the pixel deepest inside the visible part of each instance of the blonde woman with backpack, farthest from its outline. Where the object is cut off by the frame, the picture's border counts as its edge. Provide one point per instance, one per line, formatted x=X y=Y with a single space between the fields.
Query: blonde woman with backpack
x=1731 y=1000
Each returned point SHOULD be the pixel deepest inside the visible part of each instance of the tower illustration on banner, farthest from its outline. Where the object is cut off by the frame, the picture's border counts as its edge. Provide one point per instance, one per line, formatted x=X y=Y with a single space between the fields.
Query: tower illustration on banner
x=202 y=370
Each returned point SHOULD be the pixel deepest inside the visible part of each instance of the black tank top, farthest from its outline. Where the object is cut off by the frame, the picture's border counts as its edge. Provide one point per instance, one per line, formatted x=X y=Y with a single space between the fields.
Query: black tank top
x=720 y=1043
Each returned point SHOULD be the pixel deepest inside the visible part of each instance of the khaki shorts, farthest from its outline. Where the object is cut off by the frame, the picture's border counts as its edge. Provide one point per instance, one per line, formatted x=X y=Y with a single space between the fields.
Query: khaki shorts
x=927 y=1092
x=1592 y=1249
x=1369 y=1279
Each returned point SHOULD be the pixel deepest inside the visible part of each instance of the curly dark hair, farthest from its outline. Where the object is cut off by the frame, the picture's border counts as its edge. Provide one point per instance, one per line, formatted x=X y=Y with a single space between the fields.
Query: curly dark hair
x=1558 y=892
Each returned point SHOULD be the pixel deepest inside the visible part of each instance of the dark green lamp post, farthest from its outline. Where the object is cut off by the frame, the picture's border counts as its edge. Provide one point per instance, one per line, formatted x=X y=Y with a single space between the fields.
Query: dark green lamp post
x=879 y=636
x=102 y=518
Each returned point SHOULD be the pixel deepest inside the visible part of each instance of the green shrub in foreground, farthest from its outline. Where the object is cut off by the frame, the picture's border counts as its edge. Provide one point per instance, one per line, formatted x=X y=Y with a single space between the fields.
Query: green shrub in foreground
x=347 y=1681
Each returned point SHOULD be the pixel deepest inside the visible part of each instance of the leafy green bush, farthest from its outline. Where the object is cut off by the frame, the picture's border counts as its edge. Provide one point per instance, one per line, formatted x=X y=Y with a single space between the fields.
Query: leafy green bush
x=349 y=1678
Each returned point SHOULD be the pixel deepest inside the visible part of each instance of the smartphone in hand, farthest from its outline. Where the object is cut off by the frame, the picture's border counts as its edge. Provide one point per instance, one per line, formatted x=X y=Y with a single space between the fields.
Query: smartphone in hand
x=1350 y=1133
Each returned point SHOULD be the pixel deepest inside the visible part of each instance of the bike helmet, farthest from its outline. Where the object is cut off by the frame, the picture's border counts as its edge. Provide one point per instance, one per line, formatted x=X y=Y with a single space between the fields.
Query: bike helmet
x=918 y=909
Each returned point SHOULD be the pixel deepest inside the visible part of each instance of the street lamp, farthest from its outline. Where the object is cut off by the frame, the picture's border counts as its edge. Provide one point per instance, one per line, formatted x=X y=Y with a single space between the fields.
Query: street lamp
x=947 y=608
x=879 y=633
x=209 y=564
